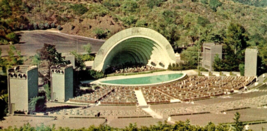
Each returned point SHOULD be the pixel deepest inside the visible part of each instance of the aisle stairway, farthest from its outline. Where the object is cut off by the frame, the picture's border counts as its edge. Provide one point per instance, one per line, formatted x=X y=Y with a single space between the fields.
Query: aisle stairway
x=140 y=98
x=142 y=104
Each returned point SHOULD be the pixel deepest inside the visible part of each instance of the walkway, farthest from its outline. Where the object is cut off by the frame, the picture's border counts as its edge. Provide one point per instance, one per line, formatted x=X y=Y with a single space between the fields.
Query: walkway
x=142 y=104
x=152 y=113
x=140 y=98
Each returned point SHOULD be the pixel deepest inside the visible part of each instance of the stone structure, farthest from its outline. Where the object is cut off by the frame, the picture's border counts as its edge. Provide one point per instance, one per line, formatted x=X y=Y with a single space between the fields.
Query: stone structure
x=22 y=85
x=209 y=52
x=70 y=58
x=62 y=82
x=137 y=45
x=251 y=62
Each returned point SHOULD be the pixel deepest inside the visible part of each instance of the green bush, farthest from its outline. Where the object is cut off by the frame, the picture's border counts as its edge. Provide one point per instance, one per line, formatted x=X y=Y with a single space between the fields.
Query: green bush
x=13 y=37
x=214 y=4
x=129 y=20
x=100 y=33
x=152 y=3
x=204 y=1
x=37 y=104
x=96 y=74
x=79 y=9
x=47 y=92
x=3 y=41
x=242 y=69
x=59 y=27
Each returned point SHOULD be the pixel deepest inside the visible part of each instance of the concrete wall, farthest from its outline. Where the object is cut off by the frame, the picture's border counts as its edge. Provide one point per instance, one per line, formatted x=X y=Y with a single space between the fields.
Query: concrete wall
x=22 y=89
x=62 y=84
x=32 y=82
x=68 y=83
x=19 y=94
x=58 y=87
x=251 y=62
x=209 y=52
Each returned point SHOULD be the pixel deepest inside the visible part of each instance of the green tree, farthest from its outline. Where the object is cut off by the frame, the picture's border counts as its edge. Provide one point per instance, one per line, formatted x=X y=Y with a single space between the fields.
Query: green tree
x=190 y=56
x=218 y=64
x=5 y=9
x=36 y=60
x=49 y=54
x=14 y=57
x=3 y=104
x=238 y=124
x=87 y=48
x=236 y=37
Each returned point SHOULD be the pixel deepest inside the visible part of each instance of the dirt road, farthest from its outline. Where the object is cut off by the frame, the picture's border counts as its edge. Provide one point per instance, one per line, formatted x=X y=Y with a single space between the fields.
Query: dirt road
x=32 y=40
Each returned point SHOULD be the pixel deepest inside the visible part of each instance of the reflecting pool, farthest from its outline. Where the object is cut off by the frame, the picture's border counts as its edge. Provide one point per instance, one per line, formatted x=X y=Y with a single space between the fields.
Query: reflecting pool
x=145 y=80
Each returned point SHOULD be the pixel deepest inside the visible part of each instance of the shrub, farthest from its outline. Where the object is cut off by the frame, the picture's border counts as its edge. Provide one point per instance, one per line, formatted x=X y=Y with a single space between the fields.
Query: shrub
x=96 y=74
x=152 y=3
x=79 y=9
x=100 y=33
x=214 y=4
x=47 y=92
x=242 y=69
x=41 y=26
x=204 y=1
x=37 y=104
x=46 y=25
x=129 y=20
x=53 y=25
x=59 y=27
x=35 y=26
x=3 y=41
x=21 y=27
x=13 y=37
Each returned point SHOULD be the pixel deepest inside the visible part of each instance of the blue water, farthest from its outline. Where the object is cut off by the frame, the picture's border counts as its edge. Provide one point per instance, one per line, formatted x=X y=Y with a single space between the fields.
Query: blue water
x=144 y=80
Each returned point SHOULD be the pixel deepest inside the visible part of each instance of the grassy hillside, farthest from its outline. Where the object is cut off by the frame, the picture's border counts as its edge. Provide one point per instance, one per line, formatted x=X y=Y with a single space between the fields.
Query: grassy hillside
x=182 y=22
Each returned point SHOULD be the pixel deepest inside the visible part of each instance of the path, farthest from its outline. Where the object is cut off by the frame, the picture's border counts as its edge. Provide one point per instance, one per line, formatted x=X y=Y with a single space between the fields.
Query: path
x=152 y=113
x=142 y=103
x=140 y=98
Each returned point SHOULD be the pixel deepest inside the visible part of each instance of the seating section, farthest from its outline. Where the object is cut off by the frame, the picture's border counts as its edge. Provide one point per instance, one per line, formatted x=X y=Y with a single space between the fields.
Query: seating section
x=215 y=107
x=97 y=112
x=121 y=95
x=188 y=89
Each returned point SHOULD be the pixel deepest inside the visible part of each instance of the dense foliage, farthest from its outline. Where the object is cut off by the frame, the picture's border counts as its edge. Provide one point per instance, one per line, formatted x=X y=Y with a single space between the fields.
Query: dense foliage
x=48 y=53
x=79 y=9
x=37 y=104
x=257 y=3
x=161 y=126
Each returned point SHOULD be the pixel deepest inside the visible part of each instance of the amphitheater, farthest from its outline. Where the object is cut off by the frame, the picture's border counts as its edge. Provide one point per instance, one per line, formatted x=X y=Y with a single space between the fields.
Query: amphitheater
x=199 y=98
x=179 y=99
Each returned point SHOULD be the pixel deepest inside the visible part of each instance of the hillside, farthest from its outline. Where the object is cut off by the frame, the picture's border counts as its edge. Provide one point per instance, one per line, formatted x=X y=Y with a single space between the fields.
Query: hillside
x=182 y=22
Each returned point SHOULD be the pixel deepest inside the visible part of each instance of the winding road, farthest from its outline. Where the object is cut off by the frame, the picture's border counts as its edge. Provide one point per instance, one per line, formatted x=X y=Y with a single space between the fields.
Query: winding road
x=32 y=40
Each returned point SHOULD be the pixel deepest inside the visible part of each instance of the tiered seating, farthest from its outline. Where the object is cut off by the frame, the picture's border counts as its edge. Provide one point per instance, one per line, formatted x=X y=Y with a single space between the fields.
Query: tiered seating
x=93 y=97
x=189 y=89
x=151 y=95
x=92 y=112
x=121 y=95
x=216 y=107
